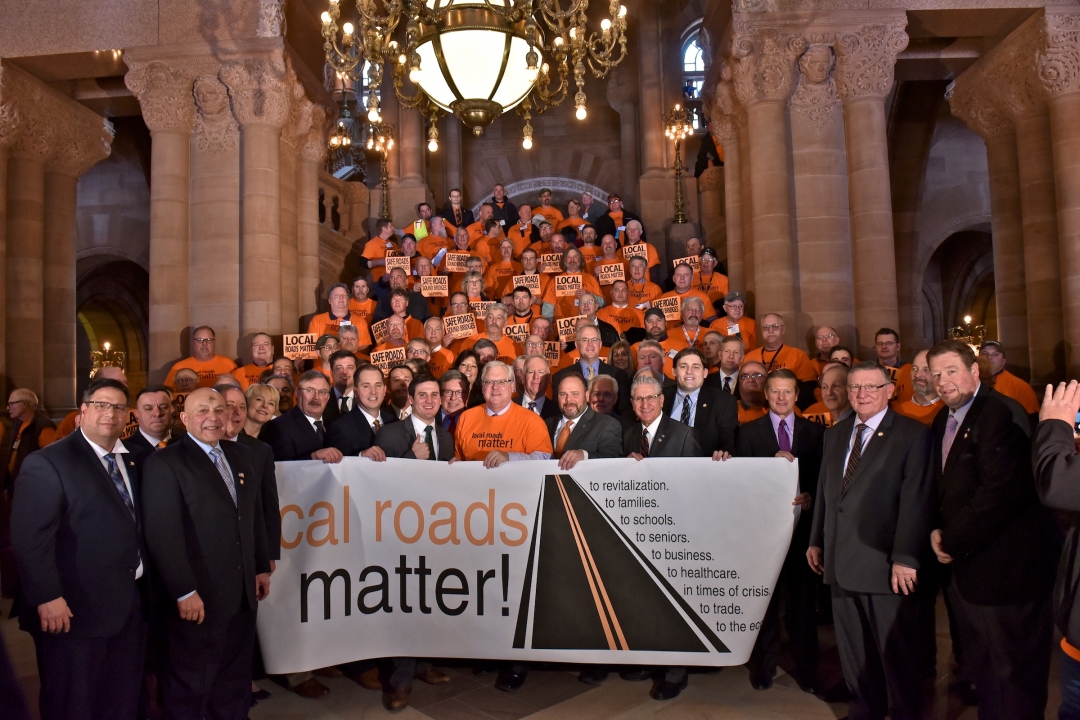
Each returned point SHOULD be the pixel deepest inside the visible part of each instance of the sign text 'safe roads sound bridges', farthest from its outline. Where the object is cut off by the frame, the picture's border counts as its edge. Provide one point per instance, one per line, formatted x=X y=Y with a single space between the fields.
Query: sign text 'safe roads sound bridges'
x=659 y=562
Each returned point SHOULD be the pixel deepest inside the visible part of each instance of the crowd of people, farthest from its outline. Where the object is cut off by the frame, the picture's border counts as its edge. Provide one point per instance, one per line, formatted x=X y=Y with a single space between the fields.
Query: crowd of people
x=146 y=528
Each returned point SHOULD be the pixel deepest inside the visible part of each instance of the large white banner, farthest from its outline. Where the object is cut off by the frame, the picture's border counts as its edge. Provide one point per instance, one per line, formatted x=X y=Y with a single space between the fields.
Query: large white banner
x=660 y=562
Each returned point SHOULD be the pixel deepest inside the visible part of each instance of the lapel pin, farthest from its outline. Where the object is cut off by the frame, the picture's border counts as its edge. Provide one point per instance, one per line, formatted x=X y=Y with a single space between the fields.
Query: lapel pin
x=881 y=434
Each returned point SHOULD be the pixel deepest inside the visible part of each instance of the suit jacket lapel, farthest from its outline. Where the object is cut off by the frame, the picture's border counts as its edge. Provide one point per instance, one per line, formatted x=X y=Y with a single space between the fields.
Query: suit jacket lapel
x=300 y=419
x=769 y=438
x=90 y=457
x=202 y=465
x=873 y=444
x=580 y=427
x=962 y=432
x=657 y=443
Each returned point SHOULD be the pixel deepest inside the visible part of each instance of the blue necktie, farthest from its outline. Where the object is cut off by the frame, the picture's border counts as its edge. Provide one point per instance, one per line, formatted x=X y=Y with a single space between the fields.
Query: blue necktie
x=118 y=482
x=223 y=470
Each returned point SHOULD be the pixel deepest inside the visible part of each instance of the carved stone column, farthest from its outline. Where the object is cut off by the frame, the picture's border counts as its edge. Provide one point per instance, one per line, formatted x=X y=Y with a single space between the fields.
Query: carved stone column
x=78 y=147
x=450 y=144
x=260 y=100
x=622 y=96
x=726 y=133
x=746 y=205
x=764 y=78
x=165 y=95
x=651 y=92
x=312 y=156
x=1058 y=67
x=974 y=104
x=295 y=129
x=865 y=60
x=823 y=227
x=12 y=117
x=215 y=214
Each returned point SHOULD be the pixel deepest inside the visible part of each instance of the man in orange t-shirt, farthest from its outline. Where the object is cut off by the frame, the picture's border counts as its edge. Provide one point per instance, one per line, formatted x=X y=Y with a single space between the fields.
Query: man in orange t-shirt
x=500 y=430
x=361 y=304
x=479 y=229
x=683 y=277
x=396 y=334
x=690 y=332
x=735 y=321
x=775 y=354
x=204 y=361
x=262 y=355
x=529 y=261
x=642 y=290
x=1004 y=381
x=924 y=403
x=551 y=213
x=834 y=405
x=707 y=280
x=620 y=314
x=327 y=323
x=498 y=274
x=524 y=233
x=825 y=339
x=573 y=218
x=494 y=322
x=441 y=358
x=376 y=249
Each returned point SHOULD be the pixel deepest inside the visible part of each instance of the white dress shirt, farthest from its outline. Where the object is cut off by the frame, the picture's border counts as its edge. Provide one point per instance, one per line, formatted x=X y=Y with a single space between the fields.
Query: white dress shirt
x=651 y=428
x=419 y=426
x=872 y=423
x=118 y=449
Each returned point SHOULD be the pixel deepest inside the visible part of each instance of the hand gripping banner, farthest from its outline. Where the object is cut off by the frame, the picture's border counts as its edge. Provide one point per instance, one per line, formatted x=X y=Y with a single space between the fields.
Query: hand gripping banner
x=659 y=562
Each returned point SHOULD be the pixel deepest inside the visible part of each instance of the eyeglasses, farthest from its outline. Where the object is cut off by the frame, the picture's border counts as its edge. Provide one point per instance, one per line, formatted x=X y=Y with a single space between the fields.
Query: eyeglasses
x=16 y=402
x=752 y=376
x=830 y=336
x=645 y=398
x=102 y=406
x=315 y=391
x=868 y=388
x=496 y=383
x=453 y=393
x=204 y=341
x=771 y=327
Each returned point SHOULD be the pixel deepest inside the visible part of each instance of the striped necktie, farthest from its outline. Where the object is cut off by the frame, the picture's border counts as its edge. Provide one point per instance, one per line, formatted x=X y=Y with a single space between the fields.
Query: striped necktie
x=856 y=455
x=226 y=475
x=644 y=442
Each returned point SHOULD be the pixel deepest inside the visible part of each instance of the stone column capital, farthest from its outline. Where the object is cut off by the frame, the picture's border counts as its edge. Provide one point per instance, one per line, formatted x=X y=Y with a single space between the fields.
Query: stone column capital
x=299 y=119
x=866 y=59
x=13 y=110
x=1007 y=75
x=815 y=98
x=1058 y=62
x=622 y=88
x=78 y=148
x=313 y=145
x=765 y=57
x=976 y=105
x=164 y=93
x=259 y=91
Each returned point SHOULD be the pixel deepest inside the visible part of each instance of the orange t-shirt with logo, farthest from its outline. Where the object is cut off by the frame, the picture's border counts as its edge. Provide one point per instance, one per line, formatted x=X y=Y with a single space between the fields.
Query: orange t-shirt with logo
x=208 y=371
x=249 y=375
x=645 y=292
x=715 y=286
x=745 y=328
x=567 y=306
x=517 y=430
x=376 y=249
x=622 y=319
x=498 y=277
x=363 y=310
x=786 y=356
x=550 y=213
x=440 y=361
x=923 y=413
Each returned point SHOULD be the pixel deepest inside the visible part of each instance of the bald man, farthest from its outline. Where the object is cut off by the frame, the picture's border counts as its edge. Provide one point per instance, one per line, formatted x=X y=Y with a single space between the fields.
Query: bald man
x=30 y=430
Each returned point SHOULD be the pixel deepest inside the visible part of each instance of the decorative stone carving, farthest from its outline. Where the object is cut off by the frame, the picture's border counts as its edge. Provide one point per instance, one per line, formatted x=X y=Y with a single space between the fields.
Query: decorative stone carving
x=299 y=121
x=271 y=18
x=751 y=6
x=766 y=57
x=165 y=95
x=866 y=59
x=976 y=106
x=815 y=99
x=1058 y=66
x=258 y=90
x=711 y=179
x=215 y=128
x=79 y=148
x=11 y=118
x=314 y=146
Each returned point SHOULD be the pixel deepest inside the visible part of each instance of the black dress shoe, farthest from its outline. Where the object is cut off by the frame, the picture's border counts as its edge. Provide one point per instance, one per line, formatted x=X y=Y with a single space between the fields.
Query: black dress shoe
x=761 y=680
x=664 y=690
x=509 y=681
x=965 y=692
x=635 y=675
x=808 y=685
x=593 y=675
x=838 y=693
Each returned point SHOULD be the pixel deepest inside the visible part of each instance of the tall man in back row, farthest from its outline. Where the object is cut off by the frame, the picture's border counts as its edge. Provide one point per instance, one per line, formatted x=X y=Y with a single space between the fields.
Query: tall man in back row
x=870 y=537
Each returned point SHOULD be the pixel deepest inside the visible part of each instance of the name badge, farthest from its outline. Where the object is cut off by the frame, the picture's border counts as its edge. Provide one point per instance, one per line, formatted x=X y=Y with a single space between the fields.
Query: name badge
x=345 y=322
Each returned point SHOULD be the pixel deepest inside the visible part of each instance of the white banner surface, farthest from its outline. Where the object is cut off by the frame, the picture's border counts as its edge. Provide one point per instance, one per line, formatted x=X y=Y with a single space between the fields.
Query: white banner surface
x=660 y=562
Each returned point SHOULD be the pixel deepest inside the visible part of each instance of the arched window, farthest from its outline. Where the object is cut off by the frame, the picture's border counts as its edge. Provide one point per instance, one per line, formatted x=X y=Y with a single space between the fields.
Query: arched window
x=693 y=76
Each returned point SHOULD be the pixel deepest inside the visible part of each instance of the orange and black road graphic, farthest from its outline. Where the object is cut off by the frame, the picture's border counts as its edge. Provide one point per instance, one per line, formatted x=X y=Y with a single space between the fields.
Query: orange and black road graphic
x=594 y=590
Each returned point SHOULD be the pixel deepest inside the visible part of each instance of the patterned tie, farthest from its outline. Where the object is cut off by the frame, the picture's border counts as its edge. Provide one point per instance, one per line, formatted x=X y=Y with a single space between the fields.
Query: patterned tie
x=564 y=435
x=727 y=384
x=856 y=454
x=784 y=438
x=951 y=426
x=589 y=373
x=319 y=430
x=532 y=407
x=403 y=414
x=161 y=445
x=685 y=419
x=429 y=442
x=118 y=482
x=377 y=424
x=644 y=442
x=223 y=470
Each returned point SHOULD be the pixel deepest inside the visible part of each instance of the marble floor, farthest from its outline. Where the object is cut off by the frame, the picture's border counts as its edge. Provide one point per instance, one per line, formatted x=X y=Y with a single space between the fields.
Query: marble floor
x=553 y=693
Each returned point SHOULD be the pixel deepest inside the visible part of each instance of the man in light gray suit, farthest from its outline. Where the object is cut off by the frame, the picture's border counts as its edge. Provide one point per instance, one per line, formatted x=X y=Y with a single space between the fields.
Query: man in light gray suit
x=579 y=432
x=871 y=541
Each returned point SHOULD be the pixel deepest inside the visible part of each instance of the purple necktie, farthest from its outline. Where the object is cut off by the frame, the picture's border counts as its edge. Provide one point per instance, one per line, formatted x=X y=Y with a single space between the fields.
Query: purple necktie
x=950 y=435
x=784 y=438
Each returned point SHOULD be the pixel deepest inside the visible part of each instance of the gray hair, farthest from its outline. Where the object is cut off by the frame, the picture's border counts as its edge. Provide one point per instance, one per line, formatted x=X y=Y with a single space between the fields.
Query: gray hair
x=603 y=378
x=497 y=364
x=646 y=376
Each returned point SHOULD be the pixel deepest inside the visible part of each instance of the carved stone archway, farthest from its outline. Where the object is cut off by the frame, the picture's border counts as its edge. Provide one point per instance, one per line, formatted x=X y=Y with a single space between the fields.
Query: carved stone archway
x=533 y=185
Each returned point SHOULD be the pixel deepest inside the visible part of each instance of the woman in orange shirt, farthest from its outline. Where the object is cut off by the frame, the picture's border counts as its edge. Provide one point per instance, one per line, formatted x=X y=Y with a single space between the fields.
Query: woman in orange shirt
x=573 y=263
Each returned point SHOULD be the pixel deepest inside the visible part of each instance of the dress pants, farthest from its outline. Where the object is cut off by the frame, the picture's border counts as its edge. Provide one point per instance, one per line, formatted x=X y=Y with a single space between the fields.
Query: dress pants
x=93 y=678
x=881 y=652
x=398 y=673
x=1007 y=652
x=209 y=668
x=796 y=591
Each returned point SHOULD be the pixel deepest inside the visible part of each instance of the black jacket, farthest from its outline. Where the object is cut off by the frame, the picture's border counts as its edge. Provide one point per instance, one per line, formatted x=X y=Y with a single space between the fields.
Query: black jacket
x=548 y=409
x=199 y=540
x=673 y=439
x=333 y=407
x=28 y=443
x=508 y=213
x=467 y=218
x=1003 y=541
x=291 y=436
x=418 y=307
x=598 y=435
x=606 y=226
x=73 y=537
x=886 y=515
x=757 y=439
x=352 y=434
x=263 y=456
x=623 y=404
x=1057 y=479
x=715 y=420
x=396 y=440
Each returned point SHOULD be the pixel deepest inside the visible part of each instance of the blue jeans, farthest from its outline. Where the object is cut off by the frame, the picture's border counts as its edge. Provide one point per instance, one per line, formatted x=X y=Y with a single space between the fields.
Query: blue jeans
x=1070 y=689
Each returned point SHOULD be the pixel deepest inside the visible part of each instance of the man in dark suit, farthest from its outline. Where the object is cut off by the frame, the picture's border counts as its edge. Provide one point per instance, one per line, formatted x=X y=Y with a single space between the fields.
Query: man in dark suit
x=77 y=534
x=782 y=434
x=154 y=412
x=657 y=435
x=342 y=399
x=1001 y=542
x=870 y=540
x=205 y=533
x=300 y=434
x=455 y=212
x=578 y=432
x=354 y=432
x=713 y=413
x=534 y=393
x=587 y=340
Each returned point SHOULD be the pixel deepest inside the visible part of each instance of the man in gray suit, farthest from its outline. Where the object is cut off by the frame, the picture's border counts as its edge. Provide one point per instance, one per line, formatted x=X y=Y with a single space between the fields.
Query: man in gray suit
x=655 y=434
x=870 y=540
x=422 y=438
x=579 y=432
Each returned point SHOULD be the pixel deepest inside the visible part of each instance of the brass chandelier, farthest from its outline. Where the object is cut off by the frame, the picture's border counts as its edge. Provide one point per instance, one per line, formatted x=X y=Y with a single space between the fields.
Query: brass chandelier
x=475 y=58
